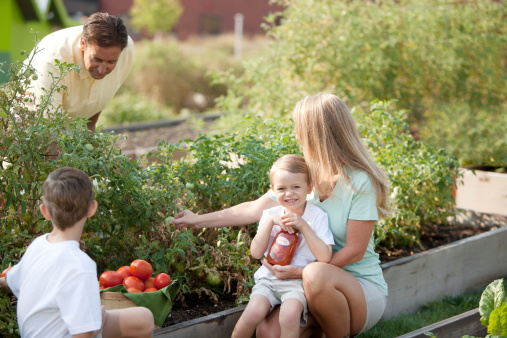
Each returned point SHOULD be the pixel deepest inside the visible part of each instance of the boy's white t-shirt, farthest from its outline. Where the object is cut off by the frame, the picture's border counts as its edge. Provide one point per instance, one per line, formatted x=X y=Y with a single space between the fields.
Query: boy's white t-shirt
x=318 y=221
x=57 y=290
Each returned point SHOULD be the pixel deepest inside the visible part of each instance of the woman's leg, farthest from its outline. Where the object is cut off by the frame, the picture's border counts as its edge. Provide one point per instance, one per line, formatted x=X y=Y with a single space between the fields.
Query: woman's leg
x=335 y=299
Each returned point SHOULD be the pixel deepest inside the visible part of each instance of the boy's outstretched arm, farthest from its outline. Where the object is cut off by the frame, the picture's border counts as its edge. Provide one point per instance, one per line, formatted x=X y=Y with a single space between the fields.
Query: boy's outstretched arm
x=4 y=286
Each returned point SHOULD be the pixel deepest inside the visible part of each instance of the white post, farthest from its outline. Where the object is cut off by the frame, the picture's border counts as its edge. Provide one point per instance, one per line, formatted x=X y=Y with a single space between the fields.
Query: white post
x=238 y=34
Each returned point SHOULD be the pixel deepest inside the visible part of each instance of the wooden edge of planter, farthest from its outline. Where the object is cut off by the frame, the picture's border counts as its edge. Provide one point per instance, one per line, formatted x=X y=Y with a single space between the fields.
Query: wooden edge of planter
x=220 y=324
x=467 y=323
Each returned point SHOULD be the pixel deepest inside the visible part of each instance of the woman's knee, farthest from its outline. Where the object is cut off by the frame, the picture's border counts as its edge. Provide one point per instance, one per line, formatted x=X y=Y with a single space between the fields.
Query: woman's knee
x=314 y=278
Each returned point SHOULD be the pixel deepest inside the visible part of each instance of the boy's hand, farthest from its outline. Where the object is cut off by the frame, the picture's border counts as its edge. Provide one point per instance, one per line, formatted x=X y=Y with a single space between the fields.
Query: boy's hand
x=284 y=272
x=292 y=221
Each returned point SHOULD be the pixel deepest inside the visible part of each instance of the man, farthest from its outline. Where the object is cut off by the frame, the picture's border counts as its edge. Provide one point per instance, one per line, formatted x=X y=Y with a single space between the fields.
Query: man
x=104 y=53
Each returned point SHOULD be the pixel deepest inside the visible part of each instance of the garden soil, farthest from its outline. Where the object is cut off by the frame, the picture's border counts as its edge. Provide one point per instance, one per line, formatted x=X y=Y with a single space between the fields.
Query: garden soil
x=194 y=306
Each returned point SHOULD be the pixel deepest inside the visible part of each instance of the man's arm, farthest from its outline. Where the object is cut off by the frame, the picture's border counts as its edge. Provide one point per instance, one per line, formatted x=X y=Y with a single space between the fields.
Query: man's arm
x=93 y=121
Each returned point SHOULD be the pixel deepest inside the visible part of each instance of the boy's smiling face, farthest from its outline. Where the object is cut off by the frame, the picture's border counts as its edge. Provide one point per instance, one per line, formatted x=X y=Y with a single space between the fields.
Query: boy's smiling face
x=291 y=190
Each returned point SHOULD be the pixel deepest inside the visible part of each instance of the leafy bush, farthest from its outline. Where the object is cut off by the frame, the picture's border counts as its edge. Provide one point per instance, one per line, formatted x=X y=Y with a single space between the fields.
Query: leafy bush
x=133 y=108
x=476 y=135
x=415 y=51
x=170 y=75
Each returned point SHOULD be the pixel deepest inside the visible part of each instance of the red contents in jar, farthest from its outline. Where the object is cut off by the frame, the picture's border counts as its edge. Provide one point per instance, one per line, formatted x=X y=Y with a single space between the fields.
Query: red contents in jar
x=283 y=248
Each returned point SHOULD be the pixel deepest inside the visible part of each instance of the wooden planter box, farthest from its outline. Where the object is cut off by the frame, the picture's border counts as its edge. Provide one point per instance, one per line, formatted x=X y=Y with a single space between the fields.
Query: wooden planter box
x=449 y=270
x=485 y=192
x=467 y=323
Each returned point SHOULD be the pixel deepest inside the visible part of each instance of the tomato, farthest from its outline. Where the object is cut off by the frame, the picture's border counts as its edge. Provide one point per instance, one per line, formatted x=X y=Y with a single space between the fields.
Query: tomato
x=213 y=279
x=124 y=271
x=133 y=282
x=162 y=280
x=149 y=283
x=134 y=290
x=109 y=279
x=101 y=287
x=141 y=269
x=5 y=271
x=150 y=290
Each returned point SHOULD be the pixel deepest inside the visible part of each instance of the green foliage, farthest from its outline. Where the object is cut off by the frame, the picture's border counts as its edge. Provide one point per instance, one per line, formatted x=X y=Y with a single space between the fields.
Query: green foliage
x=167 y=74
x=415 y=51
x=493 y=308
x=476 y=135
x=128 y=108
x=421 y=176
x=155 y=15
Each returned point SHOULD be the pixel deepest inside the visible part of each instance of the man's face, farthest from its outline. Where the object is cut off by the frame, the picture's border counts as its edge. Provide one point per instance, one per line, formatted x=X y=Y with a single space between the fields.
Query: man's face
x=99 y=61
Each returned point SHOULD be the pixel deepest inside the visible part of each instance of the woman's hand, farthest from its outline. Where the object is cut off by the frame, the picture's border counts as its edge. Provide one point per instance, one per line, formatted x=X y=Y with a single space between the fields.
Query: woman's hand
x=284 y=272
x=185 y=219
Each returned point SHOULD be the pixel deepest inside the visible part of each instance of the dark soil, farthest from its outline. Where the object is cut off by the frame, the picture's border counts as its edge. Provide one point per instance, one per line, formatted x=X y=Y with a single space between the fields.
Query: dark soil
x=194 y=306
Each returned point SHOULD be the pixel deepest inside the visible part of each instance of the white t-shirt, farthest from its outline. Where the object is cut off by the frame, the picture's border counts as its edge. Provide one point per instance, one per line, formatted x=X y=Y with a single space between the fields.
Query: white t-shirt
x=57 y=290
x=318 y=221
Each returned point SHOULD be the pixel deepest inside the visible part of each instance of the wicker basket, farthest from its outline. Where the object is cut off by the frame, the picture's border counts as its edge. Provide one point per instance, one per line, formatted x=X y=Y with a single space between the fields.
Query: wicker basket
x=115 y=300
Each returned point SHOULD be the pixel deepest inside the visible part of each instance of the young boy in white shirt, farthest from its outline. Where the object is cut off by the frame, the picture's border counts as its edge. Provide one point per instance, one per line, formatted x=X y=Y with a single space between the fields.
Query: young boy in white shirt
x=56 y=283
x=291 y=182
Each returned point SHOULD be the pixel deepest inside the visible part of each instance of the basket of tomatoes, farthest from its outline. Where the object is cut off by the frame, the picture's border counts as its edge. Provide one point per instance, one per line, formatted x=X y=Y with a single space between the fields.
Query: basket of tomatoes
x=135 y=285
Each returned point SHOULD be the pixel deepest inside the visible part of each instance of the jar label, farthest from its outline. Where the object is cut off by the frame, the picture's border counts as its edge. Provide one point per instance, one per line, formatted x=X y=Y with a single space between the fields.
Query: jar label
x=282 y=241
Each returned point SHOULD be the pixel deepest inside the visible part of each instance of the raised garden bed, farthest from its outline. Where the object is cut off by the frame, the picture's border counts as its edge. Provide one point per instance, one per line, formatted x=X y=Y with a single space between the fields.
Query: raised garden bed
x=449 y=270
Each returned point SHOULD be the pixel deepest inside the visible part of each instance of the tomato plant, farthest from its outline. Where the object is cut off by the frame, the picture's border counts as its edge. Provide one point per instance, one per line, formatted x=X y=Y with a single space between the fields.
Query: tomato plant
x=162 y=280
x=141 y=269
x=133 y=282
x=109 y=279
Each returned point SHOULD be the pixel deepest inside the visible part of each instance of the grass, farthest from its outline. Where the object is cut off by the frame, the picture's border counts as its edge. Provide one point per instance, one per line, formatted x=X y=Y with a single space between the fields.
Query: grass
x=428 y=314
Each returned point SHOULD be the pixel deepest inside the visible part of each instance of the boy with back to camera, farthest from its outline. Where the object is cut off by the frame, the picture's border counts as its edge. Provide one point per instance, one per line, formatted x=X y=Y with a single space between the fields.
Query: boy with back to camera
x=56 y=283
x=290 y=181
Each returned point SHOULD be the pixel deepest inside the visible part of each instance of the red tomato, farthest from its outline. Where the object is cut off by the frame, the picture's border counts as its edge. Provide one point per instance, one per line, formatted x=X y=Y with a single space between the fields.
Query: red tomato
x=5 y=271
x=124 y=271
x=162 y=280
x=109 y=279
x=133 y=282
x=150 y=290
x=141 y=269
x=134 y=290
x=149 y=283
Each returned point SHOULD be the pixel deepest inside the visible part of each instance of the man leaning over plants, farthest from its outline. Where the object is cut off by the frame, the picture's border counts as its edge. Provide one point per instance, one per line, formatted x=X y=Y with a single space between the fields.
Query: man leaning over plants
x=104 y=53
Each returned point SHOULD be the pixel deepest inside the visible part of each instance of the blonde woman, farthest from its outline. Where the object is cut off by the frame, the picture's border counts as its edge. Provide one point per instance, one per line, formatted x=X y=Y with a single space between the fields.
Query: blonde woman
x=346 y=296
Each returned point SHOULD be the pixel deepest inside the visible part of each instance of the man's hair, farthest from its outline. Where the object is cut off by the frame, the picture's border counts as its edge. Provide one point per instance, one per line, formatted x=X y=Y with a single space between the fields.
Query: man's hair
x=294 y=164
x=105 y=30
x=67 y=195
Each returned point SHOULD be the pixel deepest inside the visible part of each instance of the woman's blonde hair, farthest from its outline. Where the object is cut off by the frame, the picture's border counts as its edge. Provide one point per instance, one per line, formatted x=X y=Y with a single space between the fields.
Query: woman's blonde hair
x=330 y=142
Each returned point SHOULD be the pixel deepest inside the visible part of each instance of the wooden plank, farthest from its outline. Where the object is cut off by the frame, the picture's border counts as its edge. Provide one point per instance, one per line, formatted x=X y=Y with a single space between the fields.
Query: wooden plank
x=218 y=324
x=467 y=323
x=485 y=192
x=450 y=270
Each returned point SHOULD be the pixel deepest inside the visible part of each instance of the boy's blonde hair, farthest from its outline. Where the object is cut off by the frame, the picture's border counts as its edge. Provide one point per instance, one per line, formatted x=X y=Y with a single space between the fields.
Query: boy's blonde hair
x=292 y=163
x=330 y=141
x=67 y=195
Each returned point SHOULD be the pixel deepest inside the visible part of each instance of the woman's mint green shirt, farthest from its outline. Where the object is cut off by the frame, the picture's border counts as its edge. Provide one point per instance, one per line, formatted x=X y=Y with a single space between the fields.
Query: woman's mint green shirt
x=359 y=204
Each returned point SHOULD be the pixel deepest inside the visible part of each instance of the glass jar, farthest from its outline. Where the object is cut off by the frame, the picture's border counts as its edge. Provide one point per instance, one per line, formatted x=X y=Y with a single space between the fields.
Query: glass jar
x=283 y=248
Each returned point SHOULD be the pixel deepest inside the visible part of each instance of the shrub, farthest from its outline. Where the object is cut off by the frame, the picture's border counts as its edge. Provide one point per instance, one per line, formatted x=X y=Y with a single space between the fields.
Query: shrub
x=476 y=135
x=418 y=52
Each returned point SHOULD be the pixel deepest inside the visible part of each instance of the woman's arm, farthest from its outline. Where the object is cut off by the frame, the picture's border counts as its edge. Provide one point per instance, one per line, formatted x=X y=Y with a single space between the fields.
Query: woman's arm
x=241 y=214
x=358 y=236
